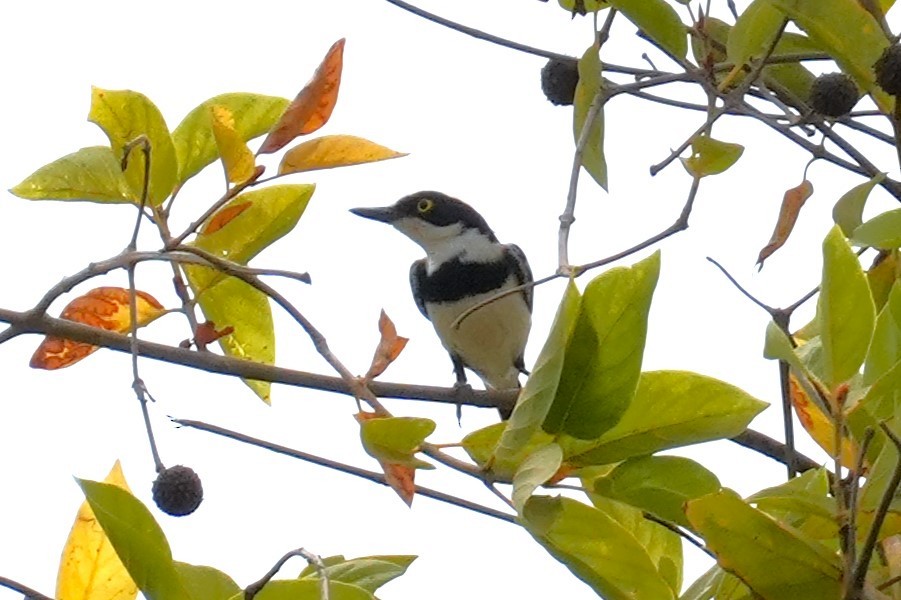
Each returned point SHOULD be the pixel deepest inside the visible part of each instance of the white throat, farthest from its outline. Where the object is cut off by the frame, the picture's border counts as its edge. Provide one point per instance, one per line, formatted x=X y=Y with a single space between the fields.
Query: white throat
x=443 y=243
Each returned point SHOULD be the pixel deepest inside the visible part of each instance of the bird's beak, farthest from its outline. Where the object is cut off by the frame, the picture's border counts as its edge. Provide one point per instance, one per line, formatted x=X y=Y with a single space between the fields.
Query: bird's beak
x=385 y=214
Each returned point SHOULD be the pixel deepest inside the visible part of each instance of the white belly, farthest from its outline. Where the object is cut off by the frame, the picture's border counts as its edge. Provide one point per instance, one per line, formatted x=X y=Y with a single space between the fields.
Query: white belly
x=490 y=339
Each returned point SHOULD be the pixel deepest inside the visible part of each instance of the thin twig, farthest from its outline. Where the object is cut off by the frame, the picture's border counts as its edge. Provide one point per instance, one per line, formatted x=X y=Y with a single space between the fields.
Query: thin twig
x=343 y=468
x=476 y=33
x=23 y=589
x=313 y=559
x=680 y=532
x=853 y=491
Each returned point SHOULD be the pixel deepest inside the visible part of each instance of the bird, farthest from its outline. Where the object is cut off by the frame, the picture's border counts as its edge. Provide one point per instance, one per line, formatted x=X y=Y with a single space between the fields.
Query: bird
x=466 y=265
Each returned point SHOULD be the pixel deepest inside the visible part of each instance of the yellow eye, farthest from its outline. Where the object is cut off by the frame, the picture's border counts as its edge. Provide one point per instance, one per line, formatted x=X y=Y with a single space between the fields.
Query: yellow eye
x=425 y=205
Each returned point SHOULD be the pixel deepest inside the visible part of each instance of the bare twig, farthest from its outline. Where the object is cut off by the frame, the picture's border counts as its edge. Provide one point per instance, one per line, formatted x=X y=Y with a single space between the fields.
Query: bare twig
x=313 y=559
x=680 y=532
x=23 y=589
x=343 y=468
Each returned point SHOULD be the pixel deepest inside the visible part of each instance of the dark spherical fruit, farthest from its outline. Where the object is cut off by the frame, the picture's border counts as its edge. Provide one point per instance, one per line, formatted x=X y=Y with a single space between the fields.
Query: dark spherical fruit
x=833 y=94
x=888 y=70
x=559 y=79
x=177 y=491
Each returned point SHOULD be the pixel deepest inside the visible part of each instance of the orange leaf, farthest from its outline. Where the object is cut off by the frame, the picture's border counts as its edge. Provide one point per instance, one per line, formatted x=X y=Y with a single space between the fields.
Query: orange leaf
x=237 y=158
x=401 y=479
x=223 y=217
x=104 y=308
x=207 y=333
x=389 y=348
x=792 y=202
x=89 y=566
x=819 y=425
x=313 y=106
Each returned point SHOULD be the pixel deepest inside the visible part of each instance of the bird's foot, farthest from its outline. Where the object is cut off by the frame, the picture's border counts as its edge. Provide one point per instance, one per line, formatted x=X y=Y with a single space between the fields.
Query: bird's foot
x=463 y=391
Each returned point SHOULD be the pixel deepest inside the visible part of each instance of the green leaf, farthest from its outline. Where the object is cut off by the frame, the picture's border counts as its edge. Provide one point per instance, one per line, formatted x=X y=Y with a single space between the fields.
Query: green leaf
x=234 y=303
x=710 y=156
x=206 y=582
x=483 y=447
x=658 y=484
x=195 y=145
x=882 y=231
x=748 y=542
x=663 y=546
x=535 y=470
x=125 y=115
x=308 y=589
x=659 y=21
x=603 y=360
x=252 y=221
x=753 y=32
x=368 y=572
x=541 y=387
x=848 y=33
x=90 y=174
x=596 y=548
x=670 y=409
x=845 y=310
x=396 y=439
x=848 y=211
x=587 y=89
x=884 y=396
x=885 y=348
x=803 y=502
x=583 y=6
x=717 y=584
x=137 y=539
x=777 y=346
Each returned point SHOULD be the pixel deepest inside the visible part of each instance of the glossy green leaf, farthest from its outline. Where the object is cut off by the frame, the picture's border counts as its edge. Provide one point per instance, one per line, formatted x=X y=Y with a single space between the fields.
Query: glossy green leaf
x=885 y=347
x=483 y=447
x=845 y=310
x=596 y=548
x=883 y=397
x=367 y=572
x=603 y=360
x=753 y=32
x=396 y=439
x=778 y=347
x=124 y=116
x=90 y=174
x=309 y=589
x=541 y=387
x=710 y=156
x=803 y=502
x=534 y=471
x=882 y=231
x=717 y=584
x=207 y=583
x=848 y=211
x=657 y=20
x=195 y=145
x=234 y=303
x=658 y=484
x=670 y=409
x=252 y=221
x=138 y=540
x=848 y=33
x=663 y=546
x=748 y=542
x=587 y=90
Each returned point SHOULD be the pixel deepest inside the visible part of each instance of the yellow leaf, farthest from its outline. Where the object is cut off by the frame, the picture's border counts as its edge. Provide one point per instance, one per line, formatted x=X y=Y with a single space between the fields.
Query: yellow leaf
x=820 y=425
x=89 y=568
x=105 y=308
x=236 y=156
x=330 y=151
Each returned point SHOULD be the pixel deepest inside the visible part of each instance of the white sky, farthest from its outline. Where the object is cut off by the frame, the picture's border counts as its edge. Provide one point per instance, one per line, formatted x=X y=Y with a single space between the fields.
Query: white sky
x=477 y=126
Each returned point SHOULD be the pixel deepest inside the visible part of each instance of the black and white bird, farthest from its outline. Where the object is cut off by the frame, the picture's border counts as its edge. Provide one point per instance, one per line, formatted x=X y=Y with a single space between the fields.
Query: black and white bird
x=465 y=265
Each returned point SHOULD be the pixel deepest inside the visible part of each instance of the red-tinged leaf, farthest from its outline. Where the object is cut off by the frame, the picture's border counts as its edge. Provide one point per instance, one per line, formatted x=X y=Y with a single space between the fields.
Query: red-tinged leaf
x=313 y=106
x=207 y=333
x=819 y=425
x=389 y=348
x=224 y=217
x=104 y=308
x=792 y=202
x=401 y=478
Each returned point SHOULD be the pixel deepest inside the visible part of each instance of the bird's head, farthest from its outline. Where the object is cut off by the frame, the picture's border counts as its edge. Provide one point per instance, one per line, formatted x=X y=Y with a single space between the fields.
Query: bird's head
x=433 y=220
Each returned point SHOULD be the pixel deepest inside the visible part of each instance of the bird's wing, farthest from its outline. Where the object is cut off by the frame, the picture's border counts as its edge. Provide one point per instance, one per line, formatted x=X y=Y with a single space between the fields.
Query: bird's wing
x=521 y=270
x=417 y=276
